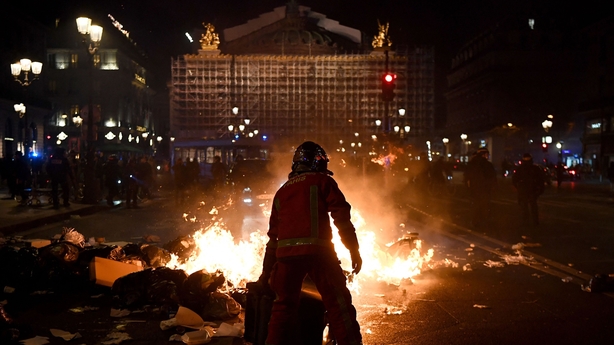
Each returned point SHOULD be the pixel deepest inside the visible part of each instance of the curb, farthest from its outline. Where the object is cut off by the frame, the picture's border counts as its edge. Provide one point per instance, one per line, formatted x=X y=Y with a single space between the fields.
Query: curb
x=34 y=223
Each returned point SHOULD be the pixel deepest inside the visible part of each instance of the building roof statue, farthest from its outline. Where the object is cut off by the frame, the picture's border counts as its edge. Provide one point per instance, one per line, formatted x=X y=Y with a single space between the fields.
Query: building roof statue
x=209 y=40
x=382 y=39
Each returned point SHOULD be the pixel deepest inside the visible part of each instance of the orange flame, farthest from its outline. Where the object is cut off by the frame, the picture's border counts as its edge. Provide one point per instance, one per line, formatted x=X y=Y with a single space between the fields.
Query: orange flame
x=242 y=262
x=386 y=160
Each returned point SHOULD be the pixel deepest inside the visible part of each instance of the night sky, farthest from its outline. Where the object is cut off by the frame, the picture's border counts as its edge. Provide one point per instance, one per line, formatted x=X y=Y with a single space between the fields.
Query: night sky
x=159 y=25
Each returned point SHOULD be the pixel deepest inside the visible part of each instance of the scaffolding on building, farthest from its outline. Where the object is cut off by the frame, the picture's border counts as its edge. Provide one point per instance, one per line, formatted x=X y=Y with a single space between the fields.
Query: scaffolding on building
x=325 y=98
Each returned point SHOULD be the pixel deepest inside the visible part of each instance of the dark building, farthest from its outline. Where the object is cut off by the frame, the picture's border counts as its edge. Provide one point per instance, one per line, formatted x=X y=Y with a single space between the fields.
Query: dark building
x=597 y=102
x=115 y=78
x=21 y=37
x=508 y=82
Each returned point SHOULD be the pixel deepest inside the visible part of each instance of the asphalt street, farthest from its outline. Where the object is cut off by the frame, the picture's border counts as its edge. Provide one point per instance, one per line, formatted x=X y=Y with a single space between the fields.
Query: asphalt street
x=501 y=285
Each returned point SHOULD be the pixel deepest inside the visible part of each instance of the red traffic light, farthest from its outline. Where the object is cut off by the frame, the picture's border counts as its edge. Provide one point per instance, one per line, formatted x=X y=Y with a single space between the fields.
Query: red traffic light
x=544 y=147
x=389 y=77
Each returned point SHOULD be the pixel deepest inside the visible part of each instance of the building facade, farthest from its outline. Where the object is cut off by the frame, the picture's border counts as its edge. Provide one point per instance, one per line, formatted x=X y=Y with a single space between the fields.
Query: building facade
x=114 y=79
x=597 y=103
x=22 y=37
x=507 y=82
x=296 y=75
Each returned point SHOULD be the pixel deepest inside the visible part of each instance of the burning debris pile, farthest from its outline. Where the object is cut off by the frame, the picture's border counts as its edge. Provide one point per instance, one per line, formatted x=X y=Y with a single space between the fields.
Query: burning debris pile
x=136 y=273
x=206 y=272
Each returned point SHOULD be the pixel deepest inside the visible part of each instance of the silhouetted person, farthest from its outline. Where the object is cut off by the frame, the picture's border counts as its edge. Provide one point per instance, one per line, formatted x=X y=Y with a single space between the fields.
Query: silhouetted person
x=60 y=173
x=9 y=175
x=19 y=174
x=529 y=182
x=192 y=170
x=481 y=179
x=439 y=173
x=144 y=176
x=179 y=171
x=218 y=170
x=112 y=174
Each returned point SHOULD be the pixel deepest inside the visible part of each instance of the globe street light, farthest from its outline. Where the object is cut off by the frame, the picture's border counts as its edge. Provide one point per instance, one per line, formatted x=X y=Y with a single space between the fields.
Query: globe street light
x=464 y=139
x=445 y=145
x=91 y=37
x=23 y=68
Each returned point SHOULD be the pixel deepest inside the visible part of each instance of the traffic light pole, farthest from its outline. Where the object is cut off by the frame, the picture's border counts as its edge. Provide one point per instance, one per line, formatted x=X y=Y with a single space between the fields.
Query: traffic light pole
x=89 y=188
x=386 y=101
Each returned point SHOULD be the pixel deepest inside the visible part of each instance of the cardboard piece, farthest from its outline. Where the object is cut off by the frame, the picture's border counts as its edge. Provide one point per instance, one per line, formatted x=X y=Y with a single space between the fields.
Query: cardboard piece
x=187 y=318
x=104 y=271
x=37 y=243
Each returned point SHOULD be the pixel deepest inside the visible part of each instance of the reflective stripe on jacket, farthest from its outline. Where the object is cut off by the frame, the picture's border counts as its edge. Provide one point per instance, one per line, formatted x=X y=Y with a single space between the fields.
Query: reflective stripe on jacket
x=299 y=223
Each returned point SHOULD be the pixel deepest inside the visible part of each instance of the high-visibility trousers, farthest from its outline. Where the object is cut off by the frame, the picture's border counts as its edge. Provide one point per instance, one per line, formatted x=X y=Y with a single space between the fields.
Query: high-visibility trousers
x=326 y=273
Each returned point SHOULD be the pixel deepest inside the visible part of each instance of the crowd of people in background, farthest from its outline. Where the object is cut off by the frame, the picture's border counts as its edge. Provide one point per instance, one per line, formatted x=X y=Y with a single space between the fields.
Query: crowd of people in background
x=61 y=174
x=187 y=177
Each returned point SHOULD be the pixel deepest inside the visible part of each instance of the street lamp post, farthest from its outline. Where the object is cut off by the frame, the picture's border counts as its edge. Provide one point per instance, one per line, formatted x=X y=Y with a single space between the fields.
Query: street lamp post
x=445 y=145
x=464 y=139
x=19 y=69
x=92 y=35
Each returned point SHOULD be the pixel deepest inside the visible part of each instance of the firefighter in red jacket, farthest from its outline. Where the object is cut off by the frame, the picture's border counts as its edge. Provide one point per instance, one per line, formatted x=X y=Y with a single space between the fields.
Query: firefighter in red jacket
x=300 y=244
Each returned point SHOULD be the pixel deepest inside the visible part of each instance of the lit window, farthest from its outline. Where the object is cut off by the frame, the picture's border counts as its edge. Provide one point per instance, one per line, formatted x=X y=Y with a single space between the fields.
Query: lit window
x=109 y=60
x=96 y=60
x=74 y=60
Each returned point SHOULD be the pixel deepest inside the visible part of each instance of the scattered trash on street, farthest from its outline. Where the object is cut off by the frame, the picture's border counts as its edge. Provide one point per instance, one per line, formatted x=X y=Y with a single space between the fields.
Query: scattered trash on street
x=481 y=306
x=492 y=264
x=64 y=334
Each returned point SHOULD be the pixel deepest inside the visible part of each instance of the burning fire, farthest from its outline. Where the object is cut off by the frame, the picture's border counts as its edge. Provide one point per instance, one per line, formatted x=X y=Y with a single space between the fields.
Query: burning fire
x=242 y=262
x=385 y=160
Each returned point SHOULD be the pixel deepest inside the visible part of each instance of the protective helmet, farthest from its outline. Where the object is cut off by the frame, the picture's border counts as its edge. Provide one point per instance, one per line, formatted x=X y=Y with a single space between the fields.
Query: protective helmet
x=311 y=156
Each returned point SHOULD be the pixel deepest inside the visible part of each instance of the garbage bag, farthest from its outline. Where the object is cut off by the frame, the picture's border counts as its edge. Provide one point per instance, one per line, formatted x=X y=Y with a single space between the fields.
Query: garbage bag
x=18 y=267
x=163 y=289
x=182 y=246
x=158 y=286
x=132 y=249
x=195 y=290
x=72 y=236
x=202 y=282
x=116 y=253
x=7 y=332
x=155 y=256
x=88 y=254
x=130 y=290
x=220 y=306
x=62 y=252
x=239 y=295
